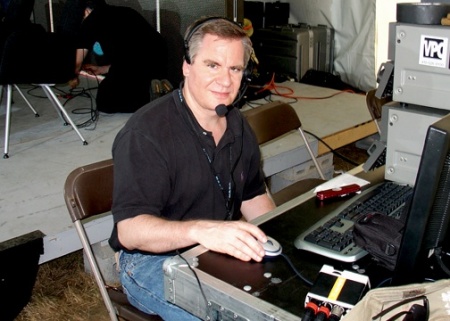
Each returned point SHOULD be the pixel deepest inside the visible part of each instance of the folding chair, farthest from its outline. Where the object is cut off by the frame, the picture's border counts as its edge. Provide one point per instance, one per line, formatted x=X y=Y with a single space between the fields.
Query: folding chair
x=375 y=105
x=273 y=120
x=88 y=192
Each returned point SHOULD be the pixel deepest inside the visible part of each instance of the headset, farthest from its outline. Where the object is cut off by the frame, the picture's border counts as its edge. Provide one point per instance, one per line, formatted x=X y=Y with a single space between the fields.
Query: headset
x=222 y=109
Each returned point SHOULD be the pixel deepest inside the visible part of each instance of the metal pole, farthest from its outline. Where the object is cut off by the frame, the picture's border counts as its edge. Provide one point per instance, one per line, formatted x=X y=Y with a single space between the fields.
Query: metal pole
x=50 y=9
x=158 y=17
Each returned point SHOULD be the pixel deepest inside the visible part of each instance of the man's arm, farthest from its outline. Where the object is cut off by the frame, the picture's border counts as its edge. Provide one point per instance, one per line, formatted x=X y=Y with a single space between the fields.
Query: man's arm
x=79 y=58
x=157 y=235
x=257 y=206
x=96 y=70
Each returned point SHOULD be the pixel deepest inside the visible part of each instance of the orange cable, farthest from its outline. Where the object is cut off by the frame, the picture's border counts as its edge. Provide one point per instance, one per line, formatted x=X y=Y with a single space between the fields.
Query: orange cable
x=290 y=92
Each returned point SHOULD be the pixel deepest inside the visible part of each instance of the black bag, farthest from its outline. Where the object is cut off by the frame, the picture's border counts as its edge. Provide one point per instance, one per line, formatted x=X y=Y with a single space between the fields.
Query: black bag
x=380 y=235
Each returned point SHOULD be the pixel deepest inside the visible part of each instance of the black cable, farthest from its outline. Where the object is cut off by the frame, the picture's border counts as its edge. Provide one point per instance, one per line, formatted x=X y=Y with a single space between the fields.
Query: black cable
x=438 y=254
x=403 y=302
x=323 y=312
x=94 y=114
x=208 y=306
x=93 y=111
x=332 y=150
x=304 y=279
x=252 y=105
x=34 y=87
x=383 y=282
x=336 y=313
x=311 y=309
x=69 y=96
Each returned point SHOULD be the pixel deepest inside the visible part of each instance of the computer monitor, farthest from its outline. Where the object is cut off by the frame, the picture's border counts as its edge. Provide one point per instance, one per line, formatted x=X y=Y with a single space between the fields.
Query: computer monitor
x=427 y=234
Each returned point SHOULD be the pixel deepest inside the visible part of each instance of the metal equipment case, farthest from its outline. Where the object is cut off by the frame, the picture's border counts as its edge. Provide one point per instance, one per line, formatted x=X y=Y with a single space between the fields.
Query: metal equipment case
x=225 y=288
x=292 y=50
x=206 y=294
x=422 y=65
x=406 y=128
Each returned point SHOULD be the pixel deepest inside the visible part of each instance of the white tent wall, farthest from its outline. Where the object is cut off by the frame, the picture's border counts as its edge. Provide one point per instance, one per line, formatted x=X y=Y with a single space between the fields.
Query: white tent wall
x=353 y=22
x=361 y=33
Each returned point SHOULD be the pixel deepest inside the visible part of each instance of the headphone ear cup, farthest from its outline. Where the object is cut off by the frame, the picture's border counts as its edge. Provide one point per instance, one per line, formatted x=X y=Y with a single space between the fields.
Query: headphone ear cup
x=248 y=72
x=186 y=52
x=246 y=79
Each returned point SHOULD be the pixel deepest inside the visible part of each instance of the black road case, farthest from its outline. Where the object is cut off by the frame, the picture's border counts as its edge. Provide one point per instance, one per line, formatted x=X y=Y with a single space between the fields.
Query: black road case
x=292 y=50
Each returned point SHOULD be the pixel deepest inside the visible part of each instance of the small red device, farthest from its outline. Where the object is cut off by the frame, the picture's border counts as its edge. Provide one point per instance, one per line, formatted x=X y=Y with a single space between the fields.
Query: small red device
x=338 y=192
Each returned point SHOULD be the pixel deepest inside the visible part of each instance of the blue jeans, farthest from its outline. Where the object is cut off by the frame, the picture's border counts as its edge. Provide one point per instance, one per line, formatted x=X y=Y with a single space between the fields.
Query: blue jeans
x=142 y=278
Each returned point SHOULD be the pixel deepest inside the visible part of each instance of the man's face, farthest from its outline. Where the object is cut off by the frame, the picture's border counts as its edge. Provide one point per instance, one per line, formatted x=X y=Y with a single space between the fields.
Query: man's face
x=214 y=77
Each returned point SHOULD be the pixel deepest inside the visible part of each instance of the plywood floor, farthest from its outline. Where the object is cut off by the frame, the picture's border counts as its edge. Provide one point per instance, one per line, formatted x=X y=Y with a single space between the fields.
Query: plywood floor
x=42 y=152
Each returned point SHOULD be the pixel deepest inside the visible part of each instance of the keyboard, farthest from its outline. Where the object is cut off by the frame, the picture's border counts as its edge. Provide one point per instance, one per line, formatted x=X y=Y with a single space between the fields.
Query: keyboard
x=332 y=235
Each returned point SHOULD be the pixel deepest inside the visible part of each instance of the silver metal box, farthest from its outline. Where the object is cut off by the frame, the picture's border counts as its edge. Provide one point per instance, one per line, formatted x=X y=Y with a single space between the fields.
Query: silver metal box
x=208 y=297
x=406 y=131
x=422 y=71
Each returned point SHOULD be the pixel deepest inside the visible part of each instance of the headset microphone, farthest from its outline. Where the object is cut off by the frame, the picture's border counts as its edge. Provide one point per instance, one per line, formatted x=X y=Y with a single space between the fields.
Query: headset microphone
x=222 y=110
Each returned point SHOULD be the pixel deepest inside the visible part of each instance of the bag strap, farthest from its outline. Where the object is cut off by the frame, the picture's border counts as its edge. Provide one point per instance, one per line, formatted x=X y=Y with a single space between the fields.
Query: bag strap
x=396 y=305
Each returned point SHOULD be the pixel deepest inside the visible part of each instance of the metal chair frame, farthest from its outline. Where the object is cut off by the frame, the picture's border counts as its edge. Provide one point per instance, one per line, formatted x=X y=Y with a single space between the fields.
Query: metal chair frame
x=88 y=192
x=273 y=120
x=53 y=99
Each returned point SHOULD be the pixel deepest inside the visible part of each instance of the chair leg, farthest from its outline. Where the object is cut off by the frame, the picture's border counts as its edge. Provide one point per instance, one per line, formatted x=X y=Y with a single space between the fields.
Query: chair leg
x=313 y=157
x=8 y=120
x=96 y=271
x=9 y=93
x=26 y=100
x=58 y=111
x=51 y=95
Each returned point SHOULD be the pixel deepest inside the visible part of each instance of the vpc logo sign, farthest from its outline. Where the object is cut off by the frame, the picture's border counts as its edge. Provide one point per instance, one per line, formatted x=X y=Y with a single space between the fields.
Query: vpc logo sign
x=433 y=51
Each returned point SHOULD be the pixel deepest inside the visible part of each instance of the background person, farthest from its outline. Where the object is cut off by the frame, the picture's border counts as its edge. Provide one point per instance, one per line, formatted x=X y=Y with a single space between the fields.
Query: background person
x=183 y=174
x=135 y=53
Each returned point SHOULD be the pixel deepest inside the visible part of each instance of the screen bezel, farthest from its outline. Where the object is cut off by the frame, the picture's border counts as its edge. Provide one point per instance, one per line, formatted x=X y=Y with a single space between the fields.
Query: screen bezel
x=413 y=261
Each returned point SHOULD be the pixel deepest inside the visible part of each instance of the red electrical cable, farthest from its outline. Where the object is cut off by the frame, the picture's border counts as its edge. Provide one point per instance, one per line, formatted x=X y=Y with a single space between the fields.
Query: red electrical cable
x=273 y=87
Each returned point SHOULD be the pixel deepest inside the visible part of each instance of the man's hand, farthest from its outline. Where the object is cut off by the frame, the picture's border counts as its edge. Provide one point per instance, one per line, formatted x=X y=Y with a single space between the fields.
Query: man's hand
x=237 y=238
x=73 y=83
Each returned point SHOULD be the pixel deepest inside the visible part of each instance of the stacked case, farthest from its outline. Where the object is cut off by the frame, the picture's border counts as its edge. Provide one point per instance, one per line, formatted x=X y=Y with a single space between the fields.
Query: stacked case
x=294 y=49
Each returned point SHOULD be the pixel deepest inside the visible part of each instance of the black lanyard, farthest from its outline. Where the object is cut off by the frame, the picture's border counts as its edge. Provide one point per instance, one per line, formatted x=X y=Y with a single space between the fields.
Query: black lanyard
x=229 y=192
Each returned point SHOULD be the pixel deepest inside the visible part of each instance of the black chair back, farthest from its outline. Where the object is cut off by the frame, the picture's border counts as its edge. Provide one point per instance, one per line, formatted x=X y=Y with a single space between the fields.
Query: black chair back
x=32 y=55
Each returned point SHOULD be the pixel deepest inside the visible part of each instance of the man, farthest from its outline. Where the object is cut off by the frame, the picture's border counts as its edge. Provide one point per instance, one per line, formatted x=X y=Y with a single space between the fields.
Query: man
x=183 y=174
x=136 y=53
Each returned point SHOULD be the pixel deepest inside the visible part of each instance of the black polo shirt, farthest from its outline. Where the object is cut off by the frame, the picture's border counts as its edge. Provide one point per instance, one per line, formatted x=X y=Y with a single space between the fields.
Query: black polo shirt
x=165 y=164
